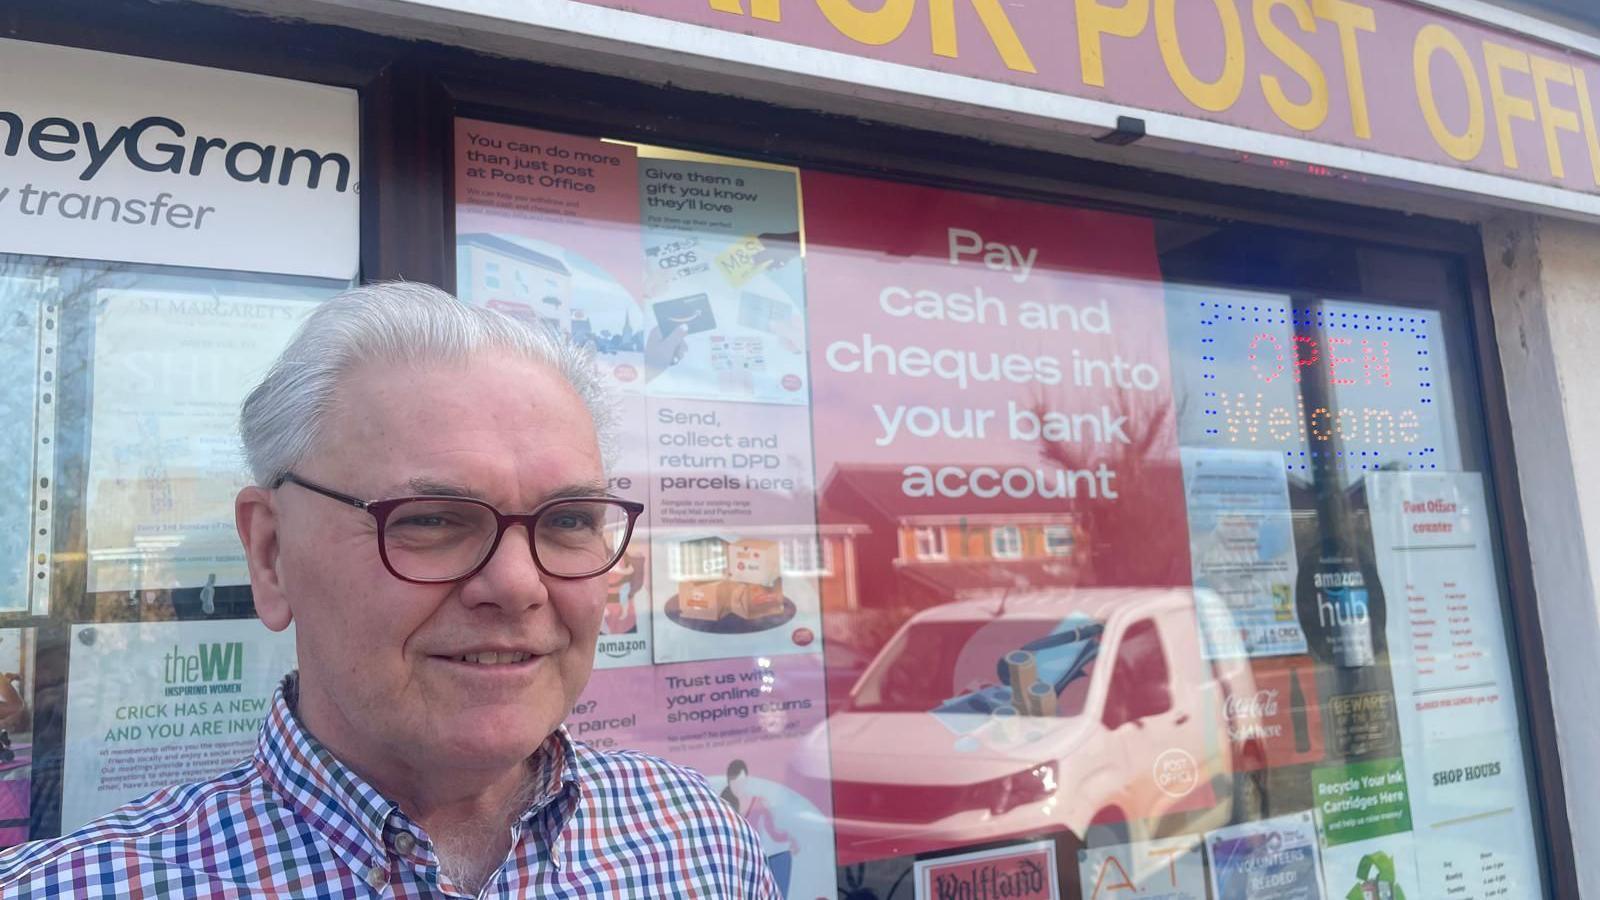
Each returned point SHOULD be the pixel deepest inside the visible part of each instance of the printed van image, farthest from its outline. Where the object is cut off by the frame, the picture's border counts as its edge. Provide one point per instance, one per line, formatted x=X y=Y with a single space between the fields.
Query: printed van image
x=1089 y=711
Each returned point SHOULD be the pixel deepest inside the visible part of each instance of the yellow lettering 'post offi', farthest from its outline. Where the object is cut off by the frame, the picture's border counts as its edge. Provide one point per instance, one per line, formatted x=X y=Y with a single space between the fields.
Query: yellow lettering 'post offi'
x=1310 y=115
x=995 y=22
x=1469 y=143
x=1499 y=58
x=769 y=10
x=1554 y=118
x=1212 y=96
x=1349 y=18
x=1095 y=20
x=876 y=28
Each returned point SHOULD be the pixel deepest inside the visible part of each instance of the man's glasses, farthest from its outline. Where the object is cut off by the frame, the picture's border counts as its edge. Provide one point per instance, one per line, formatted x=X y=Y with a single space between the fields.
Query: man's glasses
x=432 y=540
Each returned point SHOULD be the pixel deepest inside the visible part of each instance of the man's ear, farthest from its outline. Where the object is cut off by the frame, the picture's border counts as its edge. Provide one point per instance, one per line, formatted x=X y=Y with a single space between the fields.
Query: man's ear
x=256 y=516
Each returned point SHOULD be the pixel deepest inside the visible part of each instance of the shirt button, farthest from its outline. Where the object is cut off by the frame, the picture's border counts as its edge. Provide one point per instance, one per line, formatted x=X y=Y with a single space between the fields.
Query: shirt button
x=404 y=842
x=377 y=878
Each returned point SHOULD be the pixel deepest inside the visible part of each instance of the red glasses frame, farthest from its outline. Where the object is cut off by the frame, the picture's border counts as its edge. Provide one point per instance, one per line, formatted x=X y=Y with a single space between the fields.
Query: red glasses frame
x=380 y=510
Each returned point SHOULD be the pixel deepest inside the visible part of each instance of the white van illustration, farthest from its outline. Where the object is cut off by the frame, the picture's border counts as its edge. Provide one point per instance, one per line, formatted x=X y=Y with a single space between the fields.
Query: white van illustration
x=1089 y=710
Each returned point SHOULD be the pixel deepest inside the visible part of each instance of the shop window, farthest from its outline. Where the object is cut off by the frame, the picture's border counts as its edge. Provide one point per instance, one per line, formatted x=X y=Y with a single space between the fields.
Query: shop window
x=1224 y=453
x=1006 y=542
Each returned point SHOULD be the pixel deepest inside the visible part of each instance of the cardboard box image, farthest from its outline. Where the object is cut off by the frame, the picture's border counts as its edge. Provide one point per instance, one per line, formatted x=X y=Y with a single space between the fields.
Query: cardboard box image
x=754 y=601
x=754 y=562
x=706 y=600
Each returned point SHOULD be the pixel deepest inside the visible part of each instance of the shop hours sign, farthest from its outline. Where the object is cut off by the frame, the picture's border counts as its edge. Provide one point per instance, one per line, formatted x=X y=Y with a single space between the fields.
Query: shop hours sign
x=1327 y=385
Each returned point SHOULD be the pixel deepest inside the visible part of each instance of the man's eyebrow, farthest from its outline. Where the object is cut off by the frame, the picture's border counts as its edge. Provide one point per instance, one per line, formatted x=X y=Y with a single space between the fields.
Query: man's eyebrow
x=588 y=489
x=434 y=488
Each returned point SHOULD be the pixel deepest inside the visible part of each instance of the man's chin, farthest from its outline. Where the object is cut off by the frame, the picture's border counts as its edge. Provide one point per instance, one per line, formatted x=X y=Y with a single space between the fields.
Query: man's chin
x=486 y=739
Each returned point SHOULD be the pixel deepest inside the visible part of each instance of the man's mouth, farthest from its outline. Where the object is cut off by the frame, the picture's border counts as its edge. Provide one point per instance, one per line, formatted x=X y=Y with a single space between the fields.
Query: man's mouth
x=493 y=658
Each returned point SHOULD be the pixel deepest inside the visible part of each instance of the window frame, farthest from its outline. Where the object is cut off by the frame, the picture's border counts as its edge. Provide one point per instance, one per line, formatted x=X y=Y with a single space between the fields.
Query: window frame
x=935 y=534
x=1058 y=533
x=407 y=110
x=1014 y=547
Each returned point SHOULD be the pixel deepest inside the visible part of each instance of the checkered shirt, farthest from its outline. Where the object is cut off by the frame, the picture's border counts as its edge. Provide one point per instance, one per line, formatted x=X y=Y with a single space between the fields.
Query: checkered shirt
x=294 y=822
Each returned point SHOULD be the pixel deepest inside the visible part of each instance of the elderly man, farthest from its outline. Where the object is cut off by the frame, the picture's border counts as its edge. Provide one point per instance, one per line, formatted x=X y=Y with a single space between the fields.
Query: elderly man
x=430 y=508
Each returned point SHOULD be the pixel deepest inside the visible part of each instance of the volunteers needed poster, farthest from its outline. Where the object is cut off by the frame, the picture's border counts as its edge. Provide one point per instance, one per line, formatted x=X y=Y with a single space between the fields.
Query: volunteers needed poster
x=992 y=407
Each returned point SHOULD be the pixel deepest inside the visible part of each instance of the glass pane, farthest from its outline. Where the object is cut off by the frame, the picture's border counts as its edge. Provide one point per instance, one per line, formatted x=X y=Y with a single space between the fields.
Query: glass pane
x=1245 y=464
x=124 y=385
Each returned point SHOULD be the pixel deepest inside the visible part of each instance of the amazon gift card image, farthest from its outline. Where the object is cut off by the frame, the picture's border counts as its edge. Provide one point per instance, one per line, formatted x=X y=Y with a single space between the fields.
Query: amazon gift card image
x=693 y=312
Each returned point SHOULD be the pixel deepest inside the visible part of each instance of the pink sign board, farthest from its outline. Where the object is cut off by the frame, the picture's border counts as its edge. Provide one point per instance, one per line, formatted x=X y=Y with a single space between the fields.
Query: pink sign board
x=1378 y=75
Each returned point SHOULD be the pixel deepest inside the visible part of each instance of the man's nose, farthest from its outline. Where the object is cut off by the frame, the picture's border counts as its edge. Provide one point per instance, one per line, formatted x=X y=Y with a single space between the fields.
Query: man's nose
x=511 y=579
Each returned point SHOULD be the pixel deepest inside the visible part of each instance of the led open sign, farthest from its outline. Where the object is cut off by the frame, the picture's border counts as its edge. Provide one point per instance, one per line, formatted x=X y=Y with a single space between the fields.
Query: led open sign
x=1344 y=384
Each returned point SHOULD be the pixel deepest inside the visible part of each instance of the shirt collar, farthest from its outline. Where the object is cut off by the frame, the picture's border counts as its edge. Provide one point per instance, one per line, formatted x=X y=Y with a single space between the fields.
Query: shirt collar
x=349 y=812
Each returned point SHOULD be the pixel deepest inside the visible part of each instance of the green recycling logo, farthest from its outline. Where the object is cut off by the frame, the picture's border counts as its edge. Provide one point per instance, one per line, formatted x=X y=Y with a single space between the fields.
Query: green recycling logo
x=1375 y=879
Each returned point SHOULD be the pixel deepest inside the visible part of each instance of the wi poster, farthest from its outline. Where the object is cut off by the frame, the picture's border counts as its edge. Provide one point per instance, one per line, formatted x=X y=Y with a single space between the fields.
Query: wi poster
x=1459 y=722
x=993 y=412
x=170 y=370
x=186 y=704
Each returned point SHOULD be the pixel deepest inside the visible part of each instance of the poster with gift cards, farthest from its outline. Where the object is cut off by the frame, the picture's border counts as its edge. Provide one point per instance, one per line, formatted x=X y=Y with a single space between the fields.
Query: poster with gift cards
x=724 y=285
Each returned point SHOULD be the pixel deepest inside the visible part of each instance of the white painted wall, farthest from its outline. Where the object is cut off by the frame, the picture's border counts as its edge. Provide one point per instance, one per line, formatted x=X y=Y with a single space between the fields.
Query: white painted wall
x=1545 y=293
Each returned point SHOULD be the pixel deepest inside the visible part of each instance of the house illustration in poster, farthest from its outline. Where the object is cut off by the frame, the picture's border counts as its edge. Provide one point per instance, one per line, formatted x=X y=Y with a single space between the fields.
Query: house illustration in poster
x=512 y=278
x=543 y=283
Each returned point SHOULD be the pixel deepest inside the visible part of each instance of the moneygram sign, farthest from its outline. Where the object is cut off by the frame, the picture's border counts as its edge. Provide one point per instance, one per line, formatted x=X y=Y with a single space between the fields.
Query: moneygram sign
x=134 y=160
x=1380 y=76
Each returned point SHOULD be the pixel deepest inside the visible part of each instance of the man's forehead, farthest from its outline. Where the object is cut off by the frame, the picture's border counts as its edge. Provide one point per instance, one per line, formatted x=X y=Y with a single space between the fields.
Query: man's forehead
x=462 y=429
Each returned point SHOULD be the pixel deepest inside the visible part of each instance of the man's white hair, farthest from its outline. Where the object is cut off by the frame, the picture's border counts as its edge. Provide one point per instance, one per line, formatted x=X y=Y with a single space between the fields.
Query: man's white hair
x=396 y=323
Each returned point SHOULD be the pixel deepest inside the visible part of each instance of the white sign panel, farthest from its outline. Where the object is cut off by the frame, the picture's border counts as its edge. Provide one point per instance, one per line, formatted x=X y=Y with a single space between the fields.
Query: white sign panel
x=1453 y=685
x=186 y=704
x=170 y=370
x=120 y=158
x=1169 y=869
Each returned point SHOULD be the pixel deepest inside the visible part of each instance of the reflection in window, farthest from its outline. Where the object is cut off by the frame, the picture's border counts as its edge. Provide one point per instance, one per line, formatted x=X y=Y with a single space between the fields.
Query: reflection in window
x=805 y=556
x=1057 y=540
x=700 y=558
x=930 y=542
x=1140 y=679
x=1006 y=541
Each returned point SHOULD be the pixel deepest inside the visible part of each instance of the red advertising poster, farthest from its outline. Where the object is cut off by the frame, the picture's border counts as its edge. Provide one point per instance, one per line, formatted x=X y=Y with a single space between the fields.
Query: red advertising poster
x=1279 y=723
x=547 y=228
x=994 y=425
